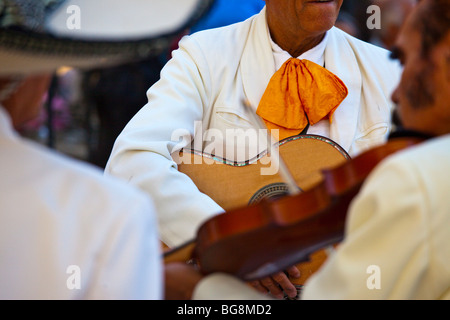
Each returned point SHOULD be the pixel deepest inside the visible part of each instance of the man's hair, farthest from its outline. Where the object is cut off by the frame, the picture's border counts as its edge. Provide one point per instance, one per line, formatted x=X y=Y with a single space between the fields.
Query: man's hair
x=433 y=23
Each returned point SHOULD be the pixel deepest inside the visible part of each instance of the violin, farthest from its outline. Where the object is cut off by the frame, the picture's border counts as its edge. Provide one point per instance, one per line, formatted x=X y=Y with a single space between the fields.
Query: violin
x=258 y=240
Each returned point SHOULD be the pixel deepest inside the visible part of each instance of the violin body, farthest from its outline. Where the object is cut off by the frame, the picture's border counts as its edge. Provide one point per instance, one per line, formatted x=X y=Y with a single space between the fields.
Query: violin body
x=256 y=240
x=260 y=240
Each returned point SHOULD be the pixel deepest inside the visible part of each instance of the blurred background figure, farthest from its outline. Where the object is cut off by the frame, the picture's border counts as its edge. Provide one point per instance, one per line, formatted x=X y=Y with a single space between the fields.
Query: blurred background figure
x=357 y=9
x=112 y=96
x=347 y=22
x=393 y=14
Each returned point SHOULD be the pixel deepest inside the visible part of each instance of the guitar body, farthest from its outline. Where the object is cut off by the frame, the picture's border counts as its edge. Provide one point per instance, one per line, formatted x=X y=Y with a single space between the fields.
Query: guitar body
x=238 y=184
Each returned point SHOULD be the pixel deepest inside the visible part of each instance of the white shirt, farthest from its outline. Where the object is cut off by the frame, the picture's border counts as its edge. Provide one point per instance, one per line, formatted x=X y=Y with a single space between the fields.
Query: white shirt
x=68 y=232
x=315 y=54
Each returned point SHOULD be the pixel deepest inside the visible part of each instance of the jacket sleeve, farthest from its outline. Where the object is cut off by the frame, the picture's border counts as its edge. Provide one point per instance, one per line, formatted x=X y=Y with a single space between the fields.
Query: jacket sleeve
x=142 y=152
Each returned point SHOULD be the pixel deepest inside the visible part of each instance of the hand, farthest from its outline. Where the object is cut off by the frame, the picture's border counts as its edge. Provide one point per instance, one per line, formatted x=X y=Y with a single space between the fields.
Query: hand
x=278 y=284
x=180 y=280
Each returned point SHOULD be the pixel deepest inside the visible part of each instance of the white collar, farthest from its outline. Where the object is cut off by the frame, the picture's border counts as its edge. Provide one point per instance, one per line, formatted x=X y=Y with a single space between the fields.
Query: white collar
x=315 y=54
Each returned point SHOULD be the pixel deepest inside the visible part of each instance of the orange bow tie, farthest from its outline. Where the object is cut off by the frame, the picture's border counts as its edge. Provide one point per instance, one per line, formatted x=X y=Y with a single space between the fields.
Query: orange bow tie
x=299 y=92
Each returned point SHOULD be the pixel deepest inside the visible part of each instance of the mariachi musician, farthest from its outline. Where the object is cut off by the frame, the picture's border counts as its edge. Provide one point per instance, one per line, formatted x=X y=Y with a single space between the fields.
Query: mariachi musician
x=66 y=230
x=299 y=72
x=397 y=240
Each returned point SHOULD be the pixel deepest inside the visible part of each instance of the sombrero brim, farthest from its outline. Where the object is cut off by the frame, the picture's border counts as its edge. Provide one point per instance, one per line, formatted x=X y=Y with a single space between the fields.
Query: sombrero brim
x=114 y=35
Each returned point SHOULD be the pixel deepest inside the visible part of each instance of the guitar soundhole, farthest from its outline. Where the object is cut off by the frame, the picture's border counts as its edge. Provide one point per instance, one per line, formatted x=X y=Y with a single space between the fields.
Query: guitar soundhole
x=272 y=191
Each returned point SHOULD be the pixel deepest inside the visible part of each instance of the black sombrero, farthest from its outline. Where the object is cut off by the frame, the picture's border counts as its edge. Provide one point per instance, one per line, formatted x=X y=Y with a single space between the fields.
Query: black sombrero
x=42 y=35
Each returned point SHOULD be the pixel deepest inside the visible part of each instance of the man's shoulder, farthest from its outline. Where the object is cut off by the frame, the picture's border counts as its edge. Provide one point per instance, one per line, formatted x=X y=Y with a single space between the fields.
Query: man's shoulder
x=83 y=176
x=425 y=156
x=437 y=148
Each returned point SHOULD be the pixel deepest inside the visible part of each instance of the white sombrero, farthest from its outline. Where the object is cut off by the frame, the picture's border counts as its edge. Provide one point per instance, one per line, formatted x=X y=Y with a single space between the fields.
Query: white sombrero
x=42 y=35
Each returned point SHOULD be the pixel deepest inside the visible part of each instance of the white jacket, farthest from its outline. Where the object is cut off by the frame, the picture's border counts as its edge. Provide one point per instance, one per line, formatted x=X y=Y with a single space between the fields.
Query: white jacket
x=205 y=83
x=68 y=232
x=397 y=239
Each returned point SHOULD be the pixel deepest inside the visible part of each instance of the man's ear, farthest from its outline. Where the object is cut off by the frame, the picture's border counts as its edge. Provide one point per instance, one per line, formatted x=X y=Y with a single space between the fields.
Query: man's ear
x=26 y=102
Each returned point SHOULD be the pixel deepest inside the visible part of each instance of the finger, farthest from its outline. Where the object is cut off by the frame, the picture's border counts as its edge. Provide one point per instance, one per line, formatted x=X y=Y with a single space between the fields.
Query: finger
x=273 y=287
x=283 y=281
x=293 y=272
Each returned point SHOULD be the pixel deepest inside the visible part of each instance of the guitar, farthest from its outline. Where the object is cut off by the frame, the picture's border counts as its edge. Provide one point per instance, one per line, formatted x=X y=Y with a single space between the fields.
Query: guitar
x=238 y=184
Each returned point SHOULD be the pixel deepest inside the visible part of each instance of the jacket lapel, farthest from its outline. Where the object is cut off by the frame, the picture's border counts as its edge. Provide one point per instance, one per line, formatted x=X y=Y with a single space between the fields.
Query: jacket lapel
x=257 y=63
x=340 y=60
